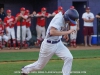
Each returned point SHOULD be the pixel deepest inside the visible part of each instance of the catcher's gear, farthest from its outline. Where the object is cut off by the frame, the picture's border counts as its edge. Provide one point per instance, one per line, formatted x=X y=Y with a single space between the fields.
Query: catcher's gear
x=8 y=11
x=71 y=15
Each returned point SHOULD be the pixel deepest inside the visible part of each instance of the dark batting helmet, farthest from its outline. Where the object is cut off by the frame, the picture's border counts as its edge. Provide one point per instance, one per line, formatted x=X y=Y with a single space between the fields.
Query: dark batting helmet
x=71 y=15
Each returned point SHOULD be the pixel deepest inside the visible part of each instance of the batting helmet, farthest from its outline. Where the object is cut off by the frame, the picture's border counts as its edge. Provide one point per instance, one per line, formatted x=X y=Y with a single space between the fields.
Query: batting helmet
x=43 y=9
x=22 y=9
x=8 y=11
x=71 y=15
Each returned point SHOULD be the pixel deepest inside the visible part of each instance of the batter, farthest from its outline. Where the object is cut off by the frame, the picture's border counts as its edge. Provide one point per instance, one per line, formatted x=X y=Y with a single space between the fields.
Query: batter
x=52 y=44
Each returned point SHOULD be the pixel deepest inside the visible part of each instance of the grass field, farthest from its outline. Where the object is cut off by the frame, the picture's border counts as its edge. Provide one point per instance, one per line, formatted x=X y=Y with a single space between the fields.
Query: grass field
x=86 y=62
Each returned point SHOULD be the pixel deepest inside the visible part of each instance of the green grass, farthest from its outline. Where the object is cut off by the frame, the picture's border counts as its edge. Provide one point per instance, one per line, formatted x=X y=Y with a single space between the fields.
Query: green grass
x=17 y=56
x=90 y=66
x=84 y=60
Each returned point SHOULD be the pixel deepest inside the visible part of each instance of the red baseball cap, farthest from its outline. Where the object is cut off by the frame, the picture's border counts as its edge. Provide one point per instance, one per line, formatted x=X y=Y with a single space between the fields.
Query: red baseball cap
x=87 y=8
x=22 y=9
x=8 y=11
x=27 y=11
x=60 y=8
x=43 y=9
x=72 y=7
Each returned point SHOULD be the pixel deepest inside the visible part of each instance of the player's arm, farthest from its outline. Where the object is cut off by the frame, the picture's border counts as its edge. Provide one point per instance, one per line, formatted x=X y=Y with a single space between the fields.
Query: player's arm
x=39 y=15
x=24 y=16
x=53 y=14
x=97 y=16
x=55 y=32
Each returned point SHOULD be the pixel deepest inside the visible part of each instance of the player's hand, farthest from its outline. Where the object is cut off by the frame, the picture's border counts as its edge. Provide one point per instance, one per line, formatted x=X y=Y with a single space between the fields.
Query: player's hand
x=10 y=23
x=97 y=16
x=71 y=31
x=66 y=37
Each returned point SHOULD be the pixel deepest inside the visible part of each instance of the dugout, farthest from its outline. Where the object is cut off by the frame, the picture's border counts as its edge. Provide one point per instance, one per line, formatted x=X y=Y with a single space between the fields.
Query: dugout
x=32 y=5
x=51 y=5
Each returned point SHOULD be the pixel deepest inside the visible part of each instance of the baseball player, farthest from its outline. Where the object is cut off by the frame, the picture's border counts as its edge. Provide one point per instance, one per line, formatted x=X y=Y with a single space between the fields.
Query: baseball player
x=2 y=36
x=52 y=44
x=60 y=9
x=9 y=23
x=41 y=22
x=28 y=24
x=21 y=24
x=73 y=35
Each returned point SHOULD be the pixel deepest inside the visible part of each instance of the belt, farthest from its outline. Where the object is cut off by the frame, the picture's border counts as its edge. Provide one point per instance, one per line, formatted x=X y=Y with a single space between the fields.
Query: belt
x=52 y=42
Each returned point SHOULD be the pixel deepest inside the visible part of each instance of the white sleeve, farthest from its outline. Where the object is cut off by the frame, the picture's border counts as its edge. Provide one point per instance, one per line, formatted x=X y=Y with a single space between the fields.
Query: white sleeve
x=92 y=15
x=56 y=23
x=83 y=16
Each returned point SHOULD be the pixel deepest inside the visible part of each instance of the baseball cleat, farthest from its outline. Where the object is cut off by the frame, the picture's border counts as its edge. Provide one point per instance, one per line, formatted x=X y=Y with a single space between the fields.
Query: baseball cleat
x=23 y=74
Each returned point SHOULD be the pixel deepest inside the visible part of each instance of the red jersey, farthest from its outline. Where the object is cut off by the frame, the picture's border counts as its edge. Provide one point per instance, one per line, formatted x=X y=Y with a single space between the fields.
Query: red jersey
x=1 y=29
x=8 y=20
x=28 y=22
x=41 y=21
x=23 y=22
x=56 y=12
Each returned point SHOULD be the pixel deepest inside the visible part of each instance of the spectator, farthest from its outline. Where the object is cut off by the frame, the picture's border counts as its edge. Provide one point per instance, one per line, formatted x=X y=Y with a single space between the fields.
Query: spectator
x=2 y=14
x=88 y=18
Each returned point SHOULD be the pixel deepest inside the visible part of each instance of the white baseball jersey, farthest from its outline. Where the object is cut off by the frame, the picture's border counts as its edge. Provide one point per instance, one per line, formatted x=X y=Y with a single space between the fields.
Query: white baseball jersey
x=58 y=23
x=88 y=16
x=47 y=50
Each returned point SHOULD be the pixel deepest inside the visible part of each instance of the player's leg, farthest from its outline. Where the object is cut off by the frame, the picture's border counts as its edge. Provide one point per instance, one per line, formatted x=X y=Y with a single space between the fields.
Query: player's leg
x=5 y=39
x=13 y=37
x=9 y=37
x=18 y=36
x=74 y=36
x=71 y=37
x=65 y=55
x=28 y=33
x=90 y=33
x=46 y=52
x=85 y=32
x=43 y=33
x=23 y=35
x=0 y=42
x=39 y=32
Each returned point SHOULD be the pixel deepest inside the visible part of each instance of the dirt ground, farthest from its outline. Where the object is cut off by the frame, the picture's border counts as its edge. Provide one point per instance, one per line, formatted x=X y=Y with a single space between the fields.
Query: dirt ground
x=37 y=49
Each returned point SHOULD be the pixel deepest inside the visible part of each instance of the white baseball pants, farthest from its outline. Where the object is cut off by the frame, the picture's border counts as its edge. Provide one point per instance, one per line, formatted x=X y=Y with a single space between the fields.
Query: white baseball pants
x=47 y=50
x=4 y=37
x=28 y=33
x=11 y=33
x=23 y=33
x=73 y=35
x=40 y=32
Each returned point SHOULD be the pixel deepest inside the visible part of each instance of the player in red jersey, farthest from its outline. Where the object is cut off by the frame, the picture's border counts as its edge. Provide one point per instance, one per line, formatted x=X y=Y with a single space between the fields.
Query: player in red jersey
x=28 y=24
x=41 y=22
x=23 y=25
x=2 y=36
x=9 y=22
x=60 y=9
